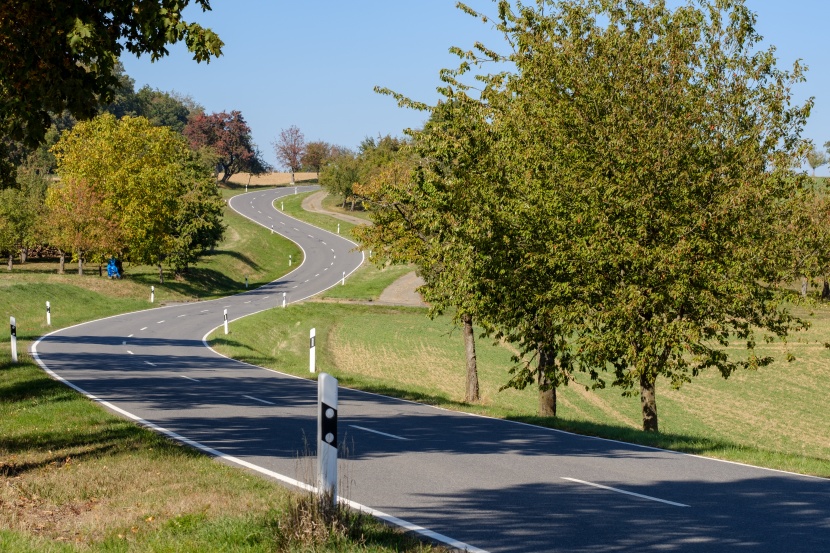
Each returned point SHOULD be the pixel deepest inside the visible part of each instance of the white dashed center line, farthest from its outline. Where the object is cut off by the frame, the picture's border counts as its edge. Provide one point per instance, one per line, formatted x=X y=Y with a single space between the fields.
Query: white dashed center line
x=609 y=488
x=130 y=336
x=131 y=353
x=158 y=323
x=187 y=377
x=180 y=316
x=259 y=400
x=145 y=328
x=381 y=433
x=205 y=310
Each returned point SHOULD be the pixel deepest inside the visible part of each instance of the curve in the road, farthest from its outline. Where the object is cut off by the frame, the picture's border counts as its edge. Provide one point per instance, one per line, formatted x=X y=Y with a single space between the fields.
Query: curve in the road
x=500 y=485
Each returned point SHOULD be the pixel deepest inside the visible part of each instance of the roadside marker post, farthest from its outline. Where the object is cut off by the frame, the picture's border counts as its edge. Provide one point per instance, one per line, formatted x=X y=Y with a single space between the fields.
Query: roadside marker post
x=283 y=300
x=338 y=228
x=13 y=325
x=152 y=294
x=289 y=260
x=282 y=206
x=312 y=352
x=327 y=437
x=246 y=282
x=48 y=314
x=343 y=282
x=226 y=321
x=272 y=229
x=295 y=190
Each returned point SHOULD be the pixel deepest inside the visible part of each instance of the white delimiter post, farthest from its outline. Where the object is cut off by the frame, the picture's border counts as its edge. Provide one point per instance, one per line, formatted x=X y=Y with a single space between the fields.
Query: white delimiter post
x=152 y=294
x=283 y=300
x=226 y=321
x=338 y=228
x=327 y=437
x=343 y=282
x=312 y=352
x=13 y=325
x=289 y=260
x=48 y=314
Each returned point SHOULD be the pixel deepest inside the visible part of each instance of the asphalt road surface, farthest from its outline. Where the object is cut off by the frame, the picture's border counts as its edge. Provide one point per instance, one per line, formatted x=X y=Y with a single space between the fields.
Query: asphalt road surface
x=473 y=482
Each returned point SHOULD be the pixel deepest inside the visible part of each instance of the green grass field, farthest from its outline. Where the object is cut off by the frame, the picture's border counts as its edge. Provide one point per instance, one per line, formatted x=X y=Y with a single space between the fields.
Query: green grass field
x=77 y=478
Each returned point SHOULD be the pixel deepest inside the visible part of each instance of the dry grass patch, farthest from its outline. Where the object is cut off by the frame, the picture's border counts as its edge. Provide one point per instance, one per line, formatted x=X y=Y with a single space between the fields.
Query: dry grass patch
x=270 y=179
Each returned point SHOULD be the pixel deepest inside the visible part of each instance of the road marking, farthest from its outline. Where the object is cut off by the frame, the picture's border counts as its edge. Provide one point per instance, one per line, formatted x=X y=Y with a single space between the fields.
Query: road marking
x=318 y=274
x=249 y=301
x=295 y=228
x=187 y=377
x=180 y=316
x=270 y=217
x=131 y=353
x=225 y=306
x=381 y=433
x=130 y=336
x=332 y=263
x=259 y=400
x=332 y=249
x=158 y=323
x=266 y=297
x=259 y=212
x=323 y=243
x=650 y=498
x=305 y=281
x=294 y=287
x=151 y=364
x=282 y=222
x=140 y=329
x=205 y=310
x=325 y=268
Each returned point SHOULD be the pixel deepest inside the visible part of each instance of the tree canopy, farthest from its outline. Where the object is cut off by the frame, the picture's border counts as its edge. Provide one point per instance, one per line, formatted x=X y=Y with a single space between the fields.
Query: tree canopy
x=60 y=55
x=635 y=189
x=165 y=204
x=229 y=137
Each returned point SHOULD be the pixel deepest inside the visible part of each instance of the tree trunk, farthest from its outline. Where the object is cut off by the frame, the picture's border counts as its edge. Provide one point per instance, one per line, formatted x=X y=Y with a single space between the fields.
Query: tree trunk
x=11 y=260
x=62 y=269
x=803 y=287
x=80 y=266
x=292 y=176
x=825 y=290
x=100 y=270
x=547 y=392
x=648 y=401
x=353 y=199
x=470 y=350
x=161 y=275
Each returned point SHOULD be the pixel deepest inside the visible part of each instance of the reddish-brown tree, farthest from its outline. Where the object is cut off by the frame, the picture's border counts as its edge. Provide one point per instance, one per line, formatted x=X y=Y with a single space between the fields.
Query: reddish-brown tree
x=229 y=136
x=289 y=148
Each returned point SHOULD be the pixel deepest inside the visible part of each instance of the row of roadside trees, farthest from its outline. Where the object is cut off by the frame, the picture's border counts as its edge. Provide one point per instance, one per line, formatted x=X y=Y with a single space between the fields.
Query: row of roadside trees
x=619 y=198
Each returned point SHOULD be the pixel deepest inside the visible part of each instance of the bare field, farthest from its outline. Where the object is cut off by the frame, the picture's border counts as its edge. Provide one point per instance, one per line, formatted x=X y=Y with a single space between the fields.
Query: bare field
x=270 y=179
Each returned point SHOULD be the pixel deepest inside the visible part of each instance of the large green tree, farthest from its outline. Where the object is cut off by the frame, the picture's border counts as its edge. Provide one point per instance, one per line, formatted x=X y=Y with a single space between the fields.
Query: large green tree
x=640 y=199
x=165 y=203
x=61 y=55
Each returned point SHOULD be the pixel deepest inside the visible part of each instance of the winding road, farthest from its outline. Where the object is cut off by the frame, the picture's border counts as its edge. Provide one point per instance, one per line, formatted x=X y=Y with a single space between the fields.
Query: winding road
x=471 y=482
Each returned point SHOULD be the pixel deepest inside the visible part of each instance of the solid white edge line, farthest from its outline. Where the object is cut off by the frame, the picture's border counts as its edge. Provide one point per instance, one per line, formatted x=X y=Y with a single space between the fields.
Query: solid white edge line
x=259 y=400
x=625 y=492
x=377 y=432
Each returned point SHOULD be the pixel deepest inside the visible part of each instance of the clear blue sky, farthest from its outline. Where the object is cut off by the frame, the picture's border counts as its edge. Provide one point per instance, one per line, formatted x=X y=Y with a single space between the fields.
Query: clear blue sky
x=314 y=63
